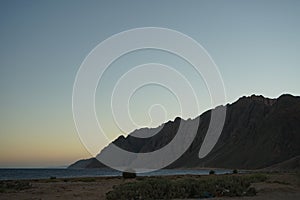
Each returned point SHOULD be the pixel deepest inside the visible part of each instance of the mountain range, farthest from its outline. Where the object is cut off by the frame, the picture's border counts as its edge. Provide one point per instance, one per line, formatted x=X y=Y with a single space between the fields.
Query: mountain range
x=258 y=133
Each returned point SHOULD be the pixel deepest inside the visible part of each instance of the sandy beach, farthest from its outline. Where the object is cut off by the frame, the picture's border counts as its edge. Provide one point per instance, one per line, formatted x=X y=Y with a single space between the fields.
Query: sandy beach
x=71 y=188
x=278 y=186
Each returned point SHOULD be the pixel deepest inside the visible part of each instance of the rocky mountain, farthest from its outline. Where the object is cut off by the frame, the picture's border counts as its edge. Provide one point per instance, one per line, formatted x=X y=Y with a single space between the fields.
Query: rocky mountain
x=258 y=132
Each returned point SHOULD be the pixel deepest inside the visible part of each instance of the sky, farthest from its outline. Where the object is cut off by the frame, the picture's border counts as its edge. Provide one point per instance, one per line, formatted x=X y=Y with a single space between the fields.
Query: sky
x=255 y=44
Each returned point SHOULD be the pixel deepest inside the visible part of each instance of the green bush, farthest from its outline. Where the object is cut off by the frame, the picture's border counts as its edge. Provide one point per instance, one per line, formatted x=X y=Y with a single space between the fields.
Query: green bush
x=235 y=171
x=129 y=174
x=11 y=186
x=182 y=188
x=211 y=172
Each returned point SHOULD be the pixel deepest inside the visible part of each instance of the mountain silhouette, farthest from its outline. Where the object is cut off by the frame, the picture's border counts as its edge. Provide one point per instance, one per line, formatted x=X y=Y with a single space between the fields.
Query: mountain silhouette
x=258 y=133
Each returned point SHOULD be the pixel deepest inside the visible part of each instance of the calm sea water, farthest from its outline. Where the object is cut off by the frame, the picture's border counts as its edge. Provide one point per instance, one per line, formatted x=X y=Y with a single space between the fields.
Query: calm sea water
x=16 y=174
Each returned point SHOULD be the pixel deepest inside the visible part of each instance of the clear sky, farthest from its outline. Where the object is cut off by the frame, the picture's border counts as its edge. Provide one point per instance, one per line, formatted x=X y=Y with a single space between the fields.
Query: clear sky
x=255 y=43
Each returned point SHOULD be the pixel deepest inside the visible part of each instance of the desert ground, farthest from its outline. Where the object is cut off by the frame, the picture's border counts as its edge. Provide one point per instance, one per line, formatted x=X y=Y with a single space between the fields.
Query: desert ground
x=278 y=186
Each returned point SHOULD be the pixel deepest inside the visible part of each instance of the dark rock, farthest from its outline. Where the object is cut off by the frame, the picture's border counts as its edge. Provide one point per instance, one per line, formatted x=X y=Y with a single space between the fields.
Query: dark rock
x=258 y=132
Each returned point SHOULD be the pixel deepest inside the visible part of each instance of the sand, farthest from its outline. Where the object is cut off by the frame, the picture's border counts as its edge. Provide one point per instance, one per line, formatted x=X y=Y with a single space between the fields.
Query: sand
x=279 y=186
x=82 y=188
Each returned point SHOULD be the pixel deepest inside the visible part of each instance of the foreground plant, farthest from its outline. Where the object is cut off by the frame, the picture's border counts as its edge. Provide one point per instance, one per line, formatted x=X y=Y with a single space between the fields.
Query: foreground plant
x=203 y=187
x=11 y=186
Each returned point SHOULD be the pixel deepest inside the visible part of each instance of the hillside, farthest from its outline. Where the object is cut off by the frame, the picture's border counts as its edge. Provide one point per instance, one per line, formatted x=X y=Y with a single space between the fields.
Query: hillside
x=258 y=132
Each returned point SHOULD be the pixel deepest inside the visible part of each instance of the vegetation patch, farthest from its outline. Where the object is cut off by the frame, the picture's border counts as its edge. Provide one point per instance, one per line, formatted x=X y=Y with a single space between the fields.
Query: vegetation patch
x=182 y=188
x=89 y=179
x=212 y=172
x=130 y=174
x=12 y=186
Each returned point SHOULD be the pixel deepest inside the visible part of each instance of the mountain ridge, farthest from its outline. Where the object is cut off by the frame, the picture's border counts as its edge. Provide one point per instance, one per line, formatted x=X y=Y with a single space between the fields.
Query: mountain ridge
x=258 y=132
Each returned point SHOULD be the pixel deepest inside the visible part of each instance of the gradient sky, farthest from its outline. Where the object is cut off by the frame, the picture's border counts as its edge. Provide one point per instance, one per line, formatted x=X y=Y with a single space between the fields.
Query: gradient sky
x=256 y=45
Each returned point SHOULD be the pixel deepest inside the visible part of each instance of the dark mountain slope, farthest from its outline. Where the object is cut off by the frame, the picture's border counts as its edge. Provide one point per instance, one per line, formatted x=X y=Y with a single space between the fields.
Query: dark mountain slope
x=258 y=132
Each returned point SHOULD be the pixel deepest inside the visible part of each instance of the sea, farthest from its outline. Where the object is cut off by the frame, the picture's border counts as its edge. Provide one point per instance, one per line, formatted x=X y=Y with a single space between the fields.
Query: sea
x=23 y=174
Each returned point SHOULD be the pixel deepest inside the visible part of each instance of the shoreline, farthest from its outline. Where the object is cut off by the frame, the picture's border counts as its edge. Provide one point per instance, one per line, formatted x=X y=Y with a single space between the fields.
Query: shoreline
x=277 y=185
x=44 y=173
